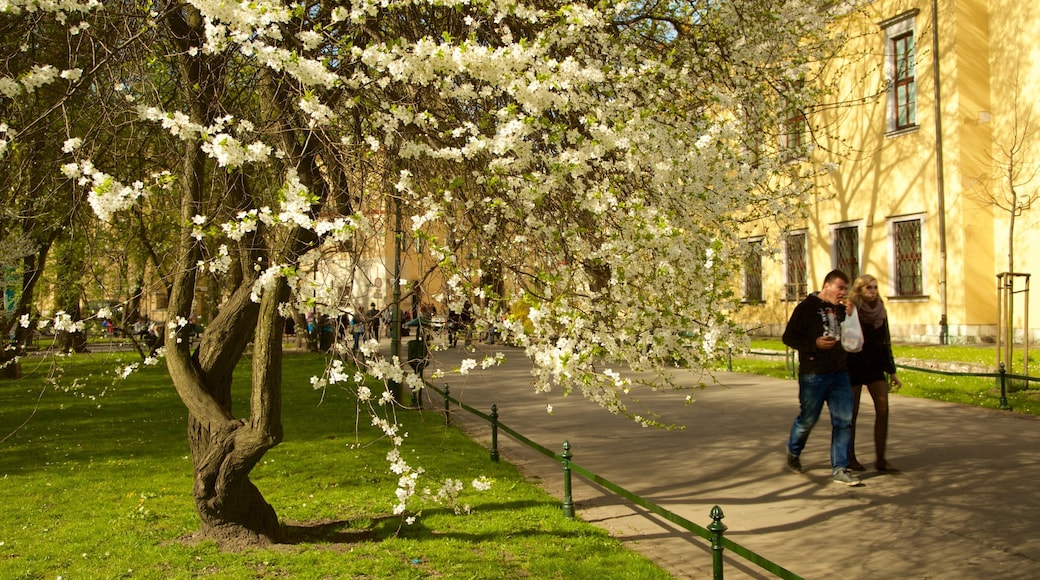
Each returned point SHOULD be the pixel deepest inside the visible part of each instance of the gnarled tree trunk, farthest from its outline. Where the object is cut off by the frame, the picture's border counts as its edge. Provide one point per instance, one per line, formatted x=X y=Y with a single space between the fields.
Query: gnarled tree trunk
x=224 y=448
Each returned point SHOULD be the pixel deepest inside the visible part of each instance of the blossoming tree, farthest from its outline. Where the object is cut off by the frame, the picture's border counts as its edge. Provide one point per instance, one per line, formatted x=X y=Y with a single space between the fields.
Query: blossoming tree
x=603 y=158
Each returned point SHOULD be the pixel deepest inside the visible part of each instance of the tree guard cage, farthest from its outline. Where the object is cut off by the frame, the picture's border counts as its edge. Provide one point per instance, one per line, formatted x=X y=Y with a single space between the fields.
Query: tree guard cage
x=1005 y=319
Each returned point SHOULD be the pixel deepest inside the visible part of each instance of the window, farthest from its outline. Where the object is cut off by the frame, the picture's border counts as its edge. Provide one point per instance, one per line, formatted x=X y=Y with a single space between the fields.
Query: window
x=846 y=250
x=753 y=272
x=160 y=300
x=900 y=72
x=907 y=257
x=904 y=96
x=795 y=267
x=794 y=134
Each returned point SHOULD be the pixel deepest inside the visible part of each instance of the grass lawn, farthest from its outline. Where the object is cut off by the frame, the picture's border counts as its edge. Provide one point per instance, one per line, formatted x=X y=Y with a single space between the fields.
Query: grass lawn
x=968 y=390
x=97 y=484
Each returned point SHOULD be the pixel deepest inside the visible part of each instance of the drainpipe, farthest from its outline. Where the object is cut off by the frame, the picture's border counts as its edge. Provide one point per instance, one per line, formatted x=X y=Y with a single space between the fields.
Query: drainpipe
x=944 y=331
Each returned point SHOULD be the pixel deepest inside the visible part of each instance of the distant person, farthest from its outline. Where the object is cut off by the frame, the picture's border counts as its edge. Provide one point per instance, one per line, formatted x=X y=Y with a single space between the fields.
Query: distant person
x=373 y=321
x=814 y=330
x=357 y=328
x=454 y=322
x=466 y=322
x=868 y=367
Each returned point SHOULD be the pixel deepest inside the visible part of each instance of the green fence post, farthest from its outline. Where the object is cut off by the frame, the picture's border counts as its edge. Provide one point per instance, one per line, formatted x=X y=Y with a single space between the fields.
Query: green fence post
x=729 y=359
x=1003 y=388
x=447 y=405
x=716 y=527
x=494 y=433
x=568 y=501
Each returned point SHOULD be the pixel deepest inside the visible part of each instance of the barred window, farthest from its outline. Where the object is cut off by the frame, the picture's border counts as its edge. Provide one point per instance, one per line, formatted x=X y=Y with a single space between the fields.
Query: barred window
x=846 y=250
x=909 y=276
x=753 y=272
x=795 y=266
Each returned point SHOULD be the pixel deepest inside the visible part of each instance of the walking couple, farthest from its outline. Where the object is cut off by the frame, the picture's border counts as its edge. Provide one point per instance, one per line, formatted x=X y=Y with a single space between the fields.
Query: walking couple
x=828 y=374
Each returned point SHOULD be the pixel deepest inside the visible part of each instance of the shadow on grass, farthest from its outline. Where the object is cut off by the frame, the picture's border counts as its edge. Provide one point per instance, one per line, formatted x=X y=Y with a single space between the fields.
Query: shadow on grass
x=336 y=531
x=379 y=528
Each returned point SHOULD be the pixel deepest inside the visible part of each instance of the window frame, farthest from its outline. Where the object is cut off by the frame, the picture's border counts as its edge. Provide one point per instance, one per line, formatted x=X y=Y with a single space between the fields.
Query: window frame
x=794 y=135
x=904 y=82
x=755 y=253
x=836 y=261
x=795 y=290
x=899 y=29
x=894 y=292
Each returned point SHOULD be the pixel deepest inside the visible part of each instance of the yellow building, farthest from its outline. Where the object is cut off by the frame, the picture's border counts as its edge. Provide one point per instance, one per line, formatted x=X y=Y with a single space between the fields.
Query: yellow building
x=920 y=201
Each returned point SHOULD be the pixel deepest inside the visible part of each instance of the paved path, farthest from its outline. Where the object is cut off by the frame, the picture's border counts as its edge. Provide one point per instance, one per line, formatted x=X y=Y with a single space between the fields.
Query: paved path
x=967 y=504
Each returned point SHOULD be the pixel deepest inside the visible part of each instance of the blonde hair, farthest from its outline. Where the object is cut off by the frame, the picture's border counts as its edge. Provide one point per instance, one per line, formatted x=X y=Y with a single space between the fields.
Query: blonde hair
x=857 y=289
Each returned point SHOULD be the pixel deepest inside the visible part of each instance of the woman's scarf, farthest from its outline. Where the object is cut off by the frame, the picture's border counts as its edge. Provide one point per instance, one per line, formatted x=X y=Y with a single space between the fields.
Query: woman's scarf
x=871 y=313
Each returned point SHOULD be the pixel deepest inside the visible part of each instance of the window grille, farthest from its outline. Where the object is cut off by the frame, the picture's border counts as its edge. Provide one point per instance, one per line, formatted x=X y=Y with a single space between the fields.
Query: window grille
x=753 y=272
x=909 y=279
x=796 y=287
x=847 y=250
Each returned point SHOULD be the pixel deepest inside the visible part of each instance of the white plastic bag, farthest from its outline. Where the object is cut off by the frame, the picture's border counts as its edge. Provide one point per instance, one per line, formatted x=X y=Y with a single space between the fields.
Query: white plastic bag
x=852 y=332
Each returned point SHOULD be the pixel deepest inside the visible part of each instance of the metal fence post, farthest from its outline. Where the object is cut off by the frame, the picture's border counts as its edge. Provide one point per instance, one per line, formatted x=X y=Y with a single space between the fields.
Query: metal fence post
x=447 y=405
x=568 y=501
x=716 y=527
x=1003 y=388
x=494 y=433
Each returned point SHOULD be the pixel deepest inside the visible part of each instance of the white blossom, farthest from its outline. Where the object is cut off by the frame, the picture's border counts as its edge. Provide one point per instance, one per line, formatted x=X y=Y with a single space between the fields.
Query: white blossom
x=71 y=145
x=72 y=74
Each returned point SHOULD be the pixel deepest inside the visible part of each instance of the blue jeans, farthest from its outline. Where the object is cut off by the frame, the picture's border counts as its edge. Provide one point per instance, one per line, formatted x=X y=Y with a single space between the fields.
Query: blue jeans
x=813 y=391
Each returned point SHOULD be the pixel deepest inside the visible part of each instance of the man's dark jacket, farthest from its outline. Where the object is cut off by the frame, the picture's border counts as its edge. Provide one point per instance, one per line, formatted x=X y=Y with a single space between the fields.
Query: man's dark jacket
x=807 y=323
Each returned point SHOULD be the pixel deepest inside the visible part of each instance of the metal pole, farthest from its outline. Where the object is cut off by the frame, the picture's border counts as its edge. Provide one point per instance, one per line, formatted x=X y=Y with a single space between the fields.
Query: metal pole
x=1009 y=323
x=716 y=527
x=944 y=335
x=494 y=433
x=1003 y=388
x=395 y=321
x=1025 y=336
x=1000 y=318
x=447 y=405
x=568 y=500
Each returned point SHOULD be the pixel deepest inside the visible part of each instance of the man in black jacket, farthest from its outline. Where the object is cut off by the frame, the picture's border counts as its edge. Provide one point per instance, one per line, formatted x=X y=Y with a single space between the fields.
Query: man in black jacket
x=814 y=330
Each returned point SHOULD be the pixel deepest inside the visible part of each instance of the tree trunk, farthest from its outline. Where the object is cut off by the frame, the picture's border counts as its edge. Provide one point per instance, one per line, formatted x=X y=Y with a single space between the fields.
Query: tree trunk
x=32 y=270
x=231 y=508
x=224 y=451
x=10 y=367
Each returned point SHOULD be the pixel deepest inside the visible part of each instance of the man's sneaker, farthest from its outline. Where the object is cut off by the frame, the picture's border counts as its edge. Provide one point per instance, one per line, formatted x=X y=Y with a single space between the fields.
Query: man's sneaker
x=793 y=463
x=844 y=476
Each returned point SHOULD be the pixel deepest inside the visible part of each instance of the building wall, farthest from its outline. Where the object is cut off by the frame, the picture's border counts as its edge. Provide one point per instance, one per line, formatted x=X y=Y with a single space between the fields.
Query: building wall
x=879 y=176
x=1014 y=60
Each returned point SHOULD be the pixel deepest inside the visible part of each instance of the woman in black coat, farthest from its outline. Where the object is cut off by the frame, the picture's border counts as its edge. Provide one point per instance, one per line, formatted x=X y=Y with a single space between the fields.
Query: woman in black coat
x=869 y=366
